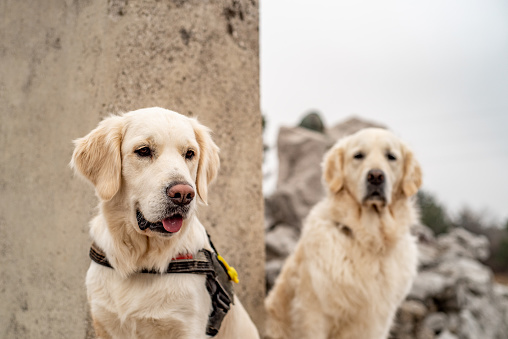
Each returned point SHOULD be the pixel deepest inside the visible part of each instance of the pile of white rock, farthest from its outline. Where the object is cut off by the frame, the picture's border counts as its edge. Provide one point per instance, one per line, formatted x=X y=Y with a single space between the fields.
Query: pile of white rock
x=454 y=295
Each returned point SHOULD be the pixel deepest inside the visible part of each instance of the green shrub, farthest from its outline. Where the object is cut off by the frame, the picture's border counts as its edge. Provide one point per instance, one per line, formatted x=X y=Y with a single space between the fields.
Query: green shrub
x=433 y=213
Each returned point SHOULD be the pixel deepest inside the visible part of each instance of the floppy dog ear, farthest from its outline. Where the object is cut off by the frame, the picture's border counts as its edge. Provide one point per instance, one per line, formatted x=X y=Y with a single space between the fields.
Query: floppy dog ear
x=209 y=162
x=98 y=158
x=412 y=177
x=332 y=169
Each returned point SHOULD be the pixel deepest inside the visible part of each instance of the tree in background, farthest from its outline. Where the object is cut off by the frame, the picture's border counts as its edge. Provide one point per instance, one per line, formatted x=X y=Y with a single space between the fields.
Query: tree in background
x=471 y=220
x=477 y=222
x=499 y=256
x=263 y=125
x=433 y=213
x=313 y=122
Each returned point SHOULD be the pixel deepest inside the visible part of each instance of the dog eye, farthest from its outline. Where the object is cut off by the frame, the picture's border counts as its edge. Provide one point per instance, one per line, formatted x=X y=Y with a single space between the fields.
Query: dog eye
x=391 y=157
x=189 y=155
x=143 y=151
x=358 y=155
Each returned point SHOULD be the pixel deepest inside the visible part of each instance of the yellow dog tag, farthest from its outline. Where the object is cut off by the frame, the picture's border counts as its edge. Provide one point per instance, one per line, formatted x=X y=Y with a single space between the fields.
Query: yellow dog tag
x=233 y=274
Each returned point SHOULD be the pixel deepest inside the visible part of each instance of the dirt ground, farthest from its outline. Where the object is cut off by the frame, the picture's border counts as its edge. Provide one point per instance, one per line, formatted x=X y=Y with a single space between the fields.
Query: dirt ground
x=501 y=278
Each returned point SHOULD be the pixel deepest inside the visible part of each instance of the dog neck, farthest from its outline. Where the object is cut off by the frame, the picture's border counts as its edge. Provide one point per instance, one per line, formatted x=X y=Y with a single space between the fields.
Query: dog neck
x=376 y=229
x=128 y=250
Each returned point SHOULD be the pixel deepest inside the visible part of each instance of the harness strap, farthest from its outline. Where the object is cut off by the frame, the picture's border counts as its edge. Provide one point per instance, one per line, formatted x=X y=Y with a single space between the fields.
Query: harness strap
x=202 y=264
x=218 y=283
x=98 y=256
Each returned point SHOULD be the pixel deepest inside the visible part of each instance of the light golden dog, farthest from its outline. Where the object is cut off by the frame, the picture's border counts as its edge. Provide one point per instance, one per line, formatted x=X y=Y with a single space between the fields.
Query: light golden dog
x=356 y=260
x=146 y=167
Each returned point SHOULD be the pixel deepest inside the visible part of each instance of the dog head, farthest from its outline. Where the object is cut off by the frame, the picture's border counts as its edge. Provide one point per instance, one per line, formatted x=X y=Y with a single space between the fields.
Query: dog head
x=151 y=164
x=374 y=166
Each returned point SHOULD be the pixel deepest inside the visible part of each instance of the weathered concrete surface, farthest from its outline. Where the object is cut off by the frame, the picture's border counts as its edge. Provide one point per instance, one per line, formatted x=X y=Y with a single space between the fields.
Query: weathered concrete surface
x=66 y=64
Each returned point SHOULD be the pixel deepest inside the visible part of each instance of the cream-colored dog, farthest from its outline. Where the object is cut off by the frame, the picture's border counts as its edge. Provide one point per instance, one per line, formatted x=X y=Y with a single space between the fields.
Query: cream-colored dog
x=146 y=167
x=356 y=260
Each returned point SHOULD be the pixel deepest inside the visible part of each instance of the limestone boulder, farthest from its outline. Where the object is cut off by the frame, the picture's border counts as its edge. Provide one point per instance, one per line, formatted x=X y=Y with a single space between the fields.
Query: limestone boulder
x=462 y=243
x=280 y=241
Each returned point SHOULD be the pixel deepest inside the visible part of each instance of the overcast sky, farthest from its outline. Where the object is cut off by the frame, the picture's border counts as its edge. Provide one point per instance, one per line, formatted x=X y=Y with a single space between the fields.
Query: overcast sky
x=434 y=71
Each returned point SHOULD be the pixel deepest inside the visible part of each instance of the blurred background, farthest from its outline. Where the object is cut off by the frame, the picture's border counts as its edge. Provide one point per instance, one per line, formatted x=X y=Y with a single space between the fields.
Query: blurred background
x=434 y=72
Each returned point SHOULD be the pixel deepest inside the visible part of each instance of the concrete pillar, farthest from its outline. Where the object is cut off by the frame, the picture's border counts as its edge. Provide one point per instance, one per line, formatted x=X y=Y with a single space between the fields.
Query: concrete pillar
x=66 y=64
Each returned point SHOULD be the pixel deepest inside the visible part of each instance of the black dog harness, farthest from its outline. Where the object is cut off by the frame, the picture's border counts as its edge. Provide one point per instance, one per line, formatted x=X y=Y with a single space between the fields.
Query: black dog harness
x=218 y=281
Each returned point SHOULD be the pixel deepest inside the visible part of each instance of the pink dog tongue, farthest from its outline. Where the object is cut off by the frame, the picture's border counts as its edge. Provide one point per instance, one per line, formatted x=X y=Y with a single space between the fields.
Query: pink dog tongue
x=173 y=224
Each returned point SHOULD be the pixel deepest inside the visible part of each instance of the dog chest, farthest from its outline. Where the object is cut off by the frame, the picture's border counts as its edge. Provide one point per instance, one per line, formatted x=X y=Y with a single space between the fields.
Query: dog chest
x=344 y=273
x=162 y=299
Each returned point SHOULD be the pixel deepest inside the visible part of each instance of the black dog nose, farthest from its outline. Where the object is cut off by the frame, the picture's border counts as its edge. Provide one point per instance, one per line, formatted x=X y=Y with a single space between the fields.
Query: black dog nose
x=376 y=177
x=181 y=194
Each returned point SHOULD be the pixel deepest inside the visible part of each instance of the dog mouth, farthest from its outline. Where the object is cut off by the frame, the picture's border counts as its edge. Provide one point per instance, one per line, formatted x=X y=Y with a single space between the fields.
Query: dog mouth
x=169 y=225
x=374 y=195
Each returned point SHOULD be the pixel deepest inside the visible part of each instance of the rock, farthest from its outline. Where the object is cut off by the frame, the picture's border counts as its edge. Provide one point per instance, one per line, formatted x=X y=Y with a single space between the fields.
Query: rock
x=501 y=291
x=280 y=209
x=500 y=295
x=413 y=308
x=423 y=233
x=428 y=253
x=424 y=333
x=436 y=322
x=299 y=185
x=429 y=284
x=447 y=335
x=476 y=276
x=461 y=243
x=453 y=322
x=469 y=326
x=490 y=311
x=461 y=297
x=280 y=241
x=408 y=315
x=272 y=269
x=350 y=126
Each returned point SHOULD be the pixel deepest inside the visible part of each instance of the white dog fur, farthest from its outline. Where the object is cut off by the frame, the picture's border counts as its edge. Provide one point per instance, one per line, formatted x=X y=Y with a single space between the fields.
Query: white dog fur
x=125 y=304
x=356 y=259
